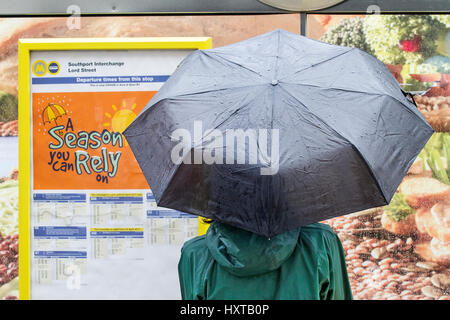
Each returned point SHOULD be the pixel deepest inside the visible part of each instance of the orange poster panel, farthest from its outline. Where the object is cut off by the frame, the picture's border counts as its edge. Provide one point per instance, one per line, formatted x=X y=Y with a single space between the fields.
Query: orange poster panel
x=78 y=141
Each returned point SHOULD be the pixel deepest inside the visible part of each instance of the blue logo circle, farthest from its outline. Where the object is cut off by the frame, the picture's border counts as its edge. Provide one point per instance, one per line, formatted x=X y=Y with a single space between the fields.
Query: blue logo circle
x=53 y=67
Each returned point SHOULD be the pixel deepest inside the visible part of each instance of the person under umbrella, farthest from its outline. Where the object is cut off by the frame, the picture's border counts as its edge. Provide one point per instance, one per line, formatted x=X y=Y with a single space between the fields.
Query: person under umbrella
x=317 y=131
x=229 y=263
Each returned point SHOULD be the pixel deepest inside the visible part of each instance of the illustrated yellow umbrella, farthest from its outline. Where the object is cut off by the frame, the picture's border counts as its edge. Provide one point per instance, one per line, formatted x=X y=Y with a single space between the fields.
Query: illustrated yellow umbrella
x=52 y=112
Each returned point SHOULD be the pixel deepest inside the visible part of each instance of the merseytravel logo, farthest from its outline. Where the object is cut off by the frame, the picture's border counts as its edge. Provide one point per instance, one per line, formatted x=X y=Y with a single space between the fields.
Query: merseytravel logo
x=40 y=68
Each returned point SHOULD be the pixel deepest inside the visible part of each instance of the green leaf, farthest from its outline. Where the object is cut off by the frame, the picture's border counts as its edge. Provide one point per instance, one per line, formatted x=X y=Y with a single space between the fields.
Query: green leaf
x=438 y=167
x=446 y=149
x=398 y=209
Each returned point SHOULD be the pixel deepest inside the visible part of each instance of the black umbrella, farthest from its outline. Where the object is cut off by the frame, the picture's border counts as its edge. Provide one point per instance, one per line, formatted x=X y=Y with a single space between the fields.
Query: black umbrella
x=283 y=131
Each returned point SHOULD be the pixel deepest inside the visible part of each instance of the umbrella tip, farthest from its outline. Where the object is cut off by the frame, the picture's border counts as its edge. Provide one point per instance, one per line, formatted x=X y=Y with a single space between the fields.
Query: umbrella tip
x=285 y=32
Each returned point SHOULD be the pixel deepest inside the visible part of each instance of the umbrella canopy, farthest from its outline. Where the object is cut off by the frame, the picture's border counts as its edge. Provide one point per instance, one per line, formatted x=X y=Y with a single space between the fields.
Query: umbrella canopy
x=52 y=112
x=276 y=132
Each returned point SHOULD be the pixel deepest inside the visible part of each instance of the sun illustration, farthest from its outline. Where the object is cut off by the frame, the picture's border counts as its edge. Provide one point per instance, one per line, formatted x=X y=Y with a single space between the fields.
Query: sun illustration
x=121 y=118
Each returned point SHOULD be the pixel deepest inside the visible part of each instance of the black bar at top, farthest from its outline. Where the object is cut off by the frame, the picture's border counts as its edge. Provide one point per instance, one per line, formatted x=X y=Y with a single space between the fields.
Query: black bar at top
x=189 y=7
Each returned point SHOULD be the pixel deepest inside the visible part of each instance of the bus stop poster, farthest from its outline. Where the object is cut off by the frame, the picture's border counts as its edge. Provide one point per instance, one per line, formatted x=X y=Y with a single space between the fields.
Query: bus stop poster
x=77 y=140
x=92 y=216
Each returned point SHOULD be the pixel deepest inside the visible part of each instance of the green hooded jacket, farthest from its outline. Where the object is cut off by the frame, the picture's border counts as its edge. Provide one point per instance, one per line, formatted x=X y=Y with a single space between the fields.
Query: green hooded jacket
x=228 y=263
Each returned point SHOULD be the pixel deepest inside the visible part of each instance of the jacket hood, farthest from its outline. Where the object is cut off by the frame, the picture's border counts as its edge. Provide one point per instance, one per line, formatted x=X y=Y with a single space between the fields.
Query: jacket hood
x=243 y=253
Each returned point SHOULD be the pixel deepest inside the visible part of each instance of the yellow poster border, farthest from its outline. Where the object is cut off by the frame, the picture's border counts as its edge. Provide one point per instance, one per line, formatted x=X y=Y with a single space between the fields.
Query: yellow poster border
x=26 y=46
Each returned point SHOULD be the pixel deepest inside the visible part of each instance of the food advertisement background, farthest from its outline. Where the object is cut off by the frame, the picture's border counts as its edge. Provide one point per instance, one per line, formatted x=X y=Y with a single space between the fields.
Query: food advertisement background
x=401 y=251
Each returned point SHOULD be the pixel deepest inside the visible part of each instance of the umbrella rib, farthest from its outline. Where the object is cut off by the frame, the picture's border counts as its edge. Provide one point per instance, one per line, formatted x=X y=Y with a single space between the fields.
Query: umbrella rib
x=219 y=55
x=343 y=137
x=313 y=65
x=211 y=90
x=335 y=88
x=356 y=91
x=277 y=57
x=312 y=113
x=233 y=113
